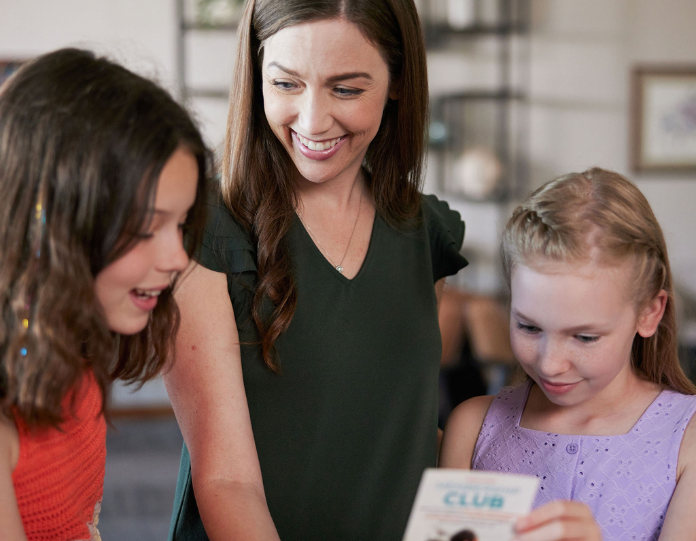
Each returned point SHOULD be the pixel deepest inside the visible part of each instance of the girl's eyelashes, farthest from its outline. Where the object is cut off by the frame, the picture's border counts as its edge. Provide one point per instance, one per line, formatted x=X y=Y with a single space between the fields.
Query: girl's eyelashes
x=529 y=329
x=586 y=339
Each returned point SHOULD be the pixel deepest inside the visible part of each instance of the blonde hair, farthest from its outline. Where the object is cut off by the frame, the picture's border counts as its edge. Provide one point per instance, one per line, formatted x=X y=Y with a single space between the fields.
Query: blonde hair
x=599 y=210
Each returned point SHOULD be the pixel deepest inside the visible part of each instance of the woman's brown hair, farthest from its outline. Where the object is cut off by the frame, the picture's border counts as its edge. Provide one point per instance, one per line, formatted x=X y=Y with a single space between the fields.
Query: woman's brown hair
x=82 y=145
x=567 y=218
x=258 y=175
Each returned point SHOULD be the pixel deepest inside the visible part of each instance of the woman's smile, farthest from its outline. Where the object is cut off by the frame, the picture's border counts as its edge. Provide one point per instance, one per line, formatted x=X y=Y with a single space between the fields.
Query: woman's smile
x=318 y=150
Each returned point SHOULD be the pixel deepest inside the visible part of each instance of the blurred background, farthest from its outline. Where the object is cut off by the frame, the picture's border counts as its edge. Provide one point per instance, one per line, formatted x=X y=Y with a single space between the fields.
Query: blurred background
x=521 y=92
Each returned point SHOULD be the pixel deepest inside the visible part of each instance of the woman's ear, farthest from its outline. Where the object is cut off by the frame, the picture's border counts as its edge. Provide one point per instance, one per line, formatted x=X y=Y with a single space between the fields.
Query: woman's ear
x=649 y=318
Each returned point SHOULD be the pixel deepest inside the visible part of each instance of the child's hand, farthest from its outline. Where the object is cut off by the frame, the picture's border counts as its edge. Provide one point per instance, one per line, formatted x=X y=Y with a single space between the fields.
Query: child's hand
x=558 y=521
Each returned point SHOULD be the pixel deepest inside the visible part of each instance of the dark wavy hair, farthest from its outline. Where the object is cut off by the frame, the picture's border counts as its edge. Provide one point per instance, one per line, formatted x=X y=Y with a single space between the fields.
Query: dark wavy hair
x=257 y=177
x=82 y=145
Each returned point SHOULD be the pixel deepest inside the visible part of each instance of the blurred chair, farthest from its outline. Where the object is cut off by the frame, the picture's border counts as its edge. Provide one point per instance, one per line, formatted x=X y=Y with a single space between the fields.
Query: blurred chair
x=476 y=355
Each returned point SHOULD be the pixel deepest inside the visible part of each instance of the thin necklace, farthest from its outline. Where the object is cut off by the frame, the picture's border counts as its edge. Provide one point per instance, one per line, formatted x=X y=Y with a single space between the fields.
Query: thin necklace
x=338 y=267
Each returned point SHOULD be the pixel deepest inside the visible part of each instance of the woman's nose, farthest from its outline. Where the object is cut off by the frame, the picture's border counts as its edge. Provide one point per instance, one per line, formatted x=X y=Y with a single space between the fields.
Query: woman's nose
x=314 y=114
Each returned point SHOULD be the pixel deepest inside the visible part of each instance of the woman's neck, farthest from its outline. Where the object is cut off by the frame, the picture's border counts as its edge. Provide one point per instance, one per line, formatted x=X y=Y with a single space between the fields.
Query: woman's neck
x=335 y=196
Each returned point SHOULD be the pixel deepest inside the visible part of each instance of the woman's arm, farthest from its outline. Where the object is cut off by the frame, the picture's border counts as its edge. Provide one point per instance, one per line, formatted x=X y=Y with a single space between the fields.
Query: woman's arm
x=10 y=519
x=680 y=522
x=206 y=388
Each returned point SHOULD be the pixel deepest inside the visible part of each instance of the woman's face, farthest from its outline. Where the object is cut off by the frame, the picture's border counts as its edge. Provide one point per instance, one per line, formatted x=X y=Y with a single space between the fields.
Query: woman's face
x=324 y=90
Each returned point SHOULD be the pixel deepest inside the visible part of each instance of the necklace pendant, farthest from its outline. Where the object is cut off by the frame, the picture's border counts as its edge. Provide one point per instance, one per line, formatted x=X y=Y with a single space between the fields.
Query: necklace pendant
x=339 y=269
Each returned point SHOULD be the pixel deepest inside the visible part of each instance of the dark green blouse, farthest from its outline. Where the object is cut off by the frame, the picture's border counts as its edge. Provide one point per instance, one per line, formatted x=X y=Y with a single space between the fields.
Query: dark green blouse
x=343 y=435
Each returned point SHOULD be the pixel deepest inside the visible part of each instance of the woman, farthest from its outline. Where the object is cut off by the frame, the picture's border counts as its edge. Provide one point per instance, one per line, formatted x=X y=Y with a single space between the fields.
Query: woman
x=309 y=346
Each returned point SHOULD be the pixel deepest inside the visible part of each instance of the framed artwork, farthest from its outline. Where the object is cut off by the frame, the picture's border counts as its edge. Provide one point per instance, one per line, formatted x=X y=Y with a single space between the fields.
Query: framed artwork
x=663 y=119
x=7 y=68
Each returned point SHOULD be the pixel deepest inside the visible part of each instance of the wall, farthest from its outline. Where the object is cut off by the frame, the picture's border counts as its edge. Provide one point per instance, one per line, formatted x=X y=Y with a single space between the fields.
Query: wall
x=582 y=54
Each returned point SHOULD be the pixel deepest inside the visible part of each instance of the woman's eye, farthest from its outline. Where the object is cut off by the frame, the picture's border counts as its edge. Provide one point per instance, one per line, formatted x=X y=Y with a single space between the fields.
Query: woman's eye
x=586 y=339
x=342 y=91
x=144 y=236
x=529 y=329
x=283 y=85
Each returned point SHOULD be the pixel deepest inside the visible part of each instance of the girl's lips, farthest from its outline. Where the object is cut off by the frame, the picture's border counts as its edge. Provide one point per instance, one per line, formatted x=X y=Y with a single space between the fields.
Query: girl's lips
x=145 y=304
x=557 y=388
x=317 y=154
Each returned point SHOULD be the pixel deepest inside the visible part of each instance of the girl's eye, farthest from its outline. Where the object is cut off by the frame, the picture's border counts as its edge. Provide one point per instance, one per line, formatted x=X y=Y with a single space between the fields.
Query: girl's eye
x=529 y=329
x=342 y=91
x=586 y=339
x=144 y=236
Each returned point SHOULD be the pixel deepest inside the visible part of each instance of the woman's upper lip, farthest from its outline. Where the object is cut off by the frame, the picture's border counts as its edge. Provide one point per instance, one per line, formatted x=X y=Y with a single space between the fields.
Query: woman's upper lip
x=319 y=140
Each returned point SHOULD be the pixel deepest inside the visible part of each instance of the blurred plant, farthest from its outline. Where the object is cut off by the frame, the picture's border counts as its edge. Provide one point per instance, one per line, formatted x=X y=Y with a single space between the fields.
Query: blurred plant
x=211 y=12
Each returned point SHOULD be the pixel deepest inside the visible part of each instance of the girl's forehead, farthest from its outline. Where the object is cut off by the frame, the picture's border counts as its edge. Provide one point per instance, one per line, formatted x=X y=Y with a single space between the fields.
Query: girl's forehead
x=561 y=291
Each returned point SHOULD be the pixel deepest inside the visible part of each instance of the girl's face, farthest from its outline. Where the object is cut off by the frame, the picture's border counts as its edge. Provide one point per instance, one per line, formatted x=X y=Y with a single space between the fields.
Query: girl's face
x=324 y=89
x=572 y=328
x=128 y=287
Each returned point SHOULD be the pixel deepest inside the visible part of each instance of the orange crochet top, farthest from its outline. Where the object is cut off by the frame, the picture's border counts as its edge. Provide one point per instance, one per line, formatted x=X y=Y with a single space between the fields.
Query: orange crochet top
x=59 y=477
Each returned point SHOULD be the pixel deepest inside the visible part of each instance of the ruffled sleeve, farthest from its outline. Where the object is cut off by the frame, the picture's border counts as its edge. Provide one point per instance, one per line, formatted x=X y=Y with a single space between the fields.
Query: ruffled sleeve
x=227 y=247
x=446 y=232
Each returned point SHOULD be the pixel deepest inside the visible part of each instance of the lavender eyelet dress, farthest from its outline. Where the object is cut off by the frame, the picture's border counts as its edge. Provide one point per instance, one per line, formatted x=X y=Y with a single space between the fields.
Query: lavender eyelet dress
x=627 y=480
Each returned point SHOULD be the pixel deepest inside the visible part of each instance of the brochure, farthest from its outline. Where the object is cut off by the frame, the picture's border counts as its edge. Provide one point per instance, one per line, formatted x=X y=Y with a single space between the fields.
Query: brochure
x=469 y=505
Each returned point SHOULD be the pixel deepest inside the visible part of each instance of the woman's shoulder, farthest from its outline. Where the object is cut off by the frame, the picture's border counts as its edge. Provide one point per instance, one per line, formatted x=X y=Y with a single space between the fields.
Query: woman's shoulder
x=440 y=217
x=227 y=245
x=221 y=222
x=446 y=231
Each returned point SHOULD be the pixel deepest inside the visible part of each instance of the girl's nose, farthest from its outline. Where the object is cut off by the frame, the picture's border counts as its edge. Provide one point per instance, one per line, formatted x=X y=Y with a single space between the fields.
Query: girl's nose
x=553 y=359
x=314 y=114
x=174 y=256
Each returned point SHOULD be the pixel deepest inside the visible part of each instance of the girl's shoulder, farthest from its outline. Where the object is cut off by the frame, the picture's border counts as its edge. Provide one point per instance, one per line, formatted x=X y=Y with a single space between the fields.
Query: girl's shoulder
x=687 y=449
x=9 y=442
x=462 y=431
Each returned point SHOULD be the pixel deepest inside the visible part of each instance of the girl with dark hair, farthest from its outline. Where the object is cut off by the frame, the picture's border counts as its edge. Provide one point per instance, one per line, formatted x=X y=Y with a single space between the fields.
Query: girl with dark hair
x=309 y=349
x=605 y=419
x=100 y=173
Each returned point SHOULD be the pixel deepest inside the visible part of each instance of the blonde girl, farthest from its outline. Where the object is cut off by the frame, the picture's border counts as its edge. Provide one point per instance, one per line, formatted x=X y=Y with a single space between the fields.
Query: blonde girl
x=604 y=417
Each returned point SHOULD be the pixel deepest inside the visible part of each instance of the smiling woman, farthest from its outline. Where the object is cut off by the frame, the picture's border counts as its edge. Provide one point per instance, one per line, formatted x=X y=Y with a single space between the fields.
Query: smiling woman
x=306 y=382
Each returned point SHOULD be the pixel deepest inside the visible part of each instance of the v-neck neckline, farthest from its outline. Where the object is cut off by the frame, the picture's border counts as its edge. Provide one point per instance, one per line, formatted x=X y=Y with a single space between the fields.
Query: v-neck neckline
x=332 y=269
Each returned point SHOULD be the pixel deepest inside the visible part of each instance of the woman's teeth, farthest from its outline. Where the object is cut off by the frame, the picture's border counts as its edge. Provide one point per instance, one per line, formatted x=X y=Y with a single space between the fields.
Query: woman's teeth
x=311 y=145
x=147 y=294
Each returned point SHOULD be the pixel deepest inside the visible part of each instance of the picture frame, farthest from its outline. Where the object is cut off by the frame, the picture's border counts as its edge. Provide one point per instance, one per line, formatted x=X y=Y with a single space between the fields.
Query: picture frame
x=7 y=68
x=663 y=118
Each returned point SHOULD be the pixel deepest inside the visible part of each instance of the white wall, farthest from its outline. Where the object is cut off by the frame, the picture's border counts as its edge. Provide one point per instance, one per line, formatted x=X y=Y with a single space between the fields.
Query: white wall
x=140 y=34
x=582 y=54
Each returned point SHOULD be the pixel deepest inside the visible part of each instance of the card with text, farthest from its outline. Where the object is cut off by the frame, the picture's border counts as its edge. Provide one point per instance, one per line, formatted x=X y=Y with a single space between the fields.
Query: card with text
x=466 y=505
